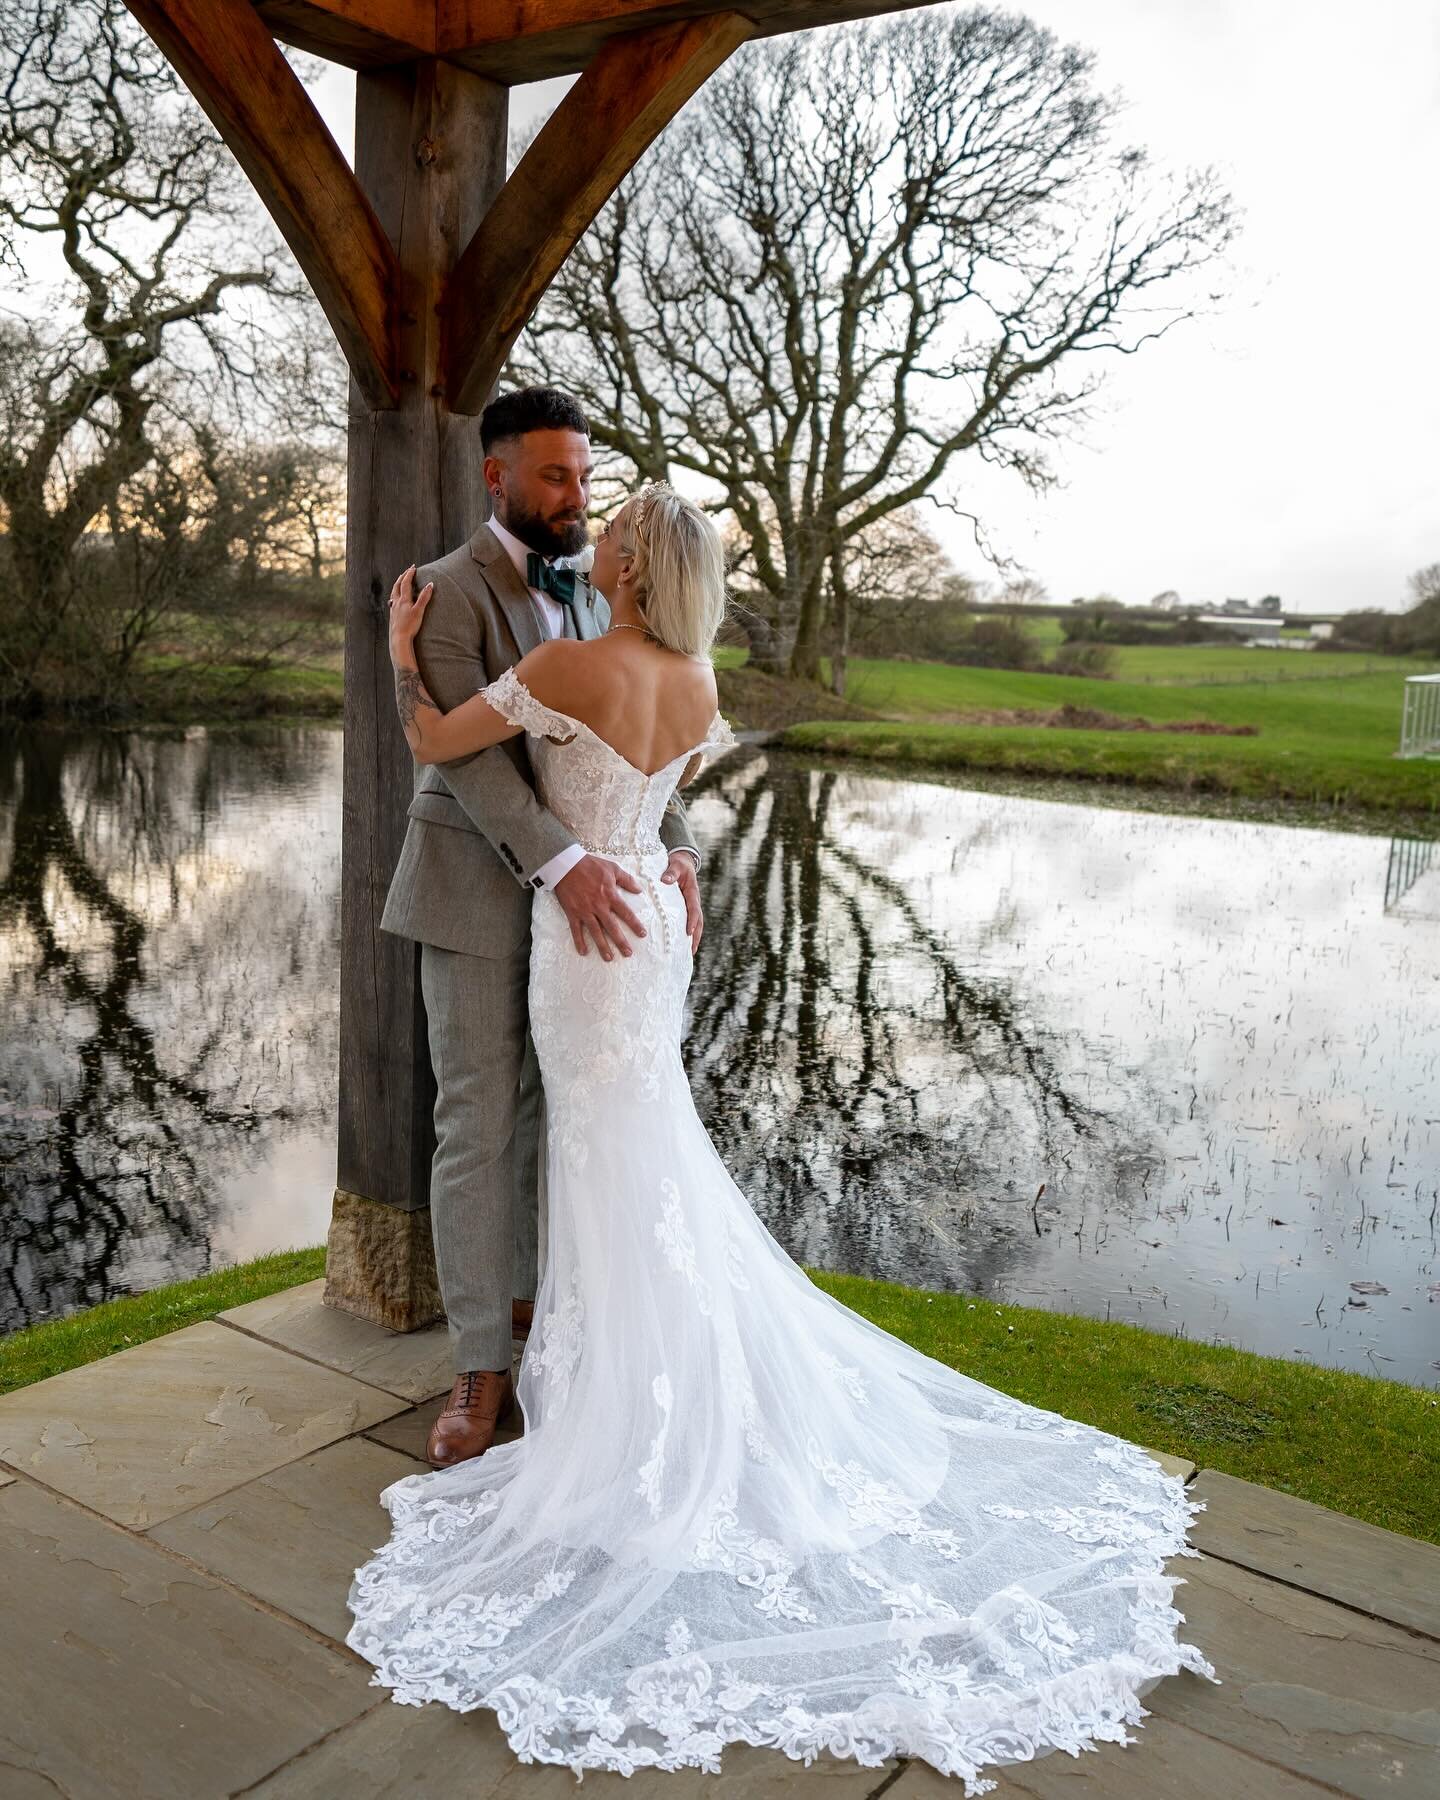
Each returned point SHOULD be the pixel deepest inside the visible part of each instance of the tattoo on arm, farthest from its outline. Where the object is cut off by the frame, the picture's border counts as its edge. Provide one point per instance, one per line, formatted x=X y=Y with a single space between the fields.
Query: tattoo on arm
x=410 y=698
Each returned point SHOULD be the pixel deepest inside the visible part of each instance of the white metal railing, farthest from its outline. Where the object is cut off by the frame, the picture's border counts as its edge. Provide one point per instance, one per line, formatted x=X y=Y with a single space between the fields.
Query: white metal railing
x=1420 y=722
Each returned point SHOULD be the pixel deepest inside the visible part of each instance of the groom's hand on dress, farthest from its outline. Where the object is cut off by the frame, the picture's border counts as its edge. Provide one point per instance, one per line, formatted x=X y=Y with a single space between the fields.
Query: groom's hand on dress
x=681 y=869
x=591 y=896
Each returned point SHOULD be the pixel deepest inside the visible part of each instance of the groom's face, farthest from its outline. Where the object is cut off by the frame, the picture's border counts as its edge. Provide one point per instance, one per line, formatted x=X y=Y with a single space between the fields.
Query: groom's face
x=543 y=478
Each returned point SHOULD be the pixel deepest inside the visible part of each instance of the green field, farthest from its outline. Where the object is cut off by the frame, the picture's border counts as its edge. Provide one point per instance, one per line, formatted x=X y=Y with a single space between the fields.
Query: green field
x=1329 y=739
x=1202 y=664
x=1363 y=1446
x=174 y=690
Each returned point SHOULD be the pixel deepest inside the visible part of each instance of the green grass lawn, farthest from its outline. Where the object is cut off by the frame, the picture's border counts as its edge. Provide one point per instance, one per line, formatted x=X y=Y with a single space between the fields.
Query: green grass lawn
x=1363 y=1446
x=1330 y=739
x=175 y=690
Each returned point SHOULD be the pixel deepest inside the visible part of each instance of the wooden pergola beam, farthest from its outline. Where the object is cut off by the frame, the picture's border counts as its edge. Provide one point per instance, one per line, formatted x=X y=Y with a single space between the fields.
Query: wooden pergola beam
x=364 y=34
x=229 y=61
x=609 y=118
x=515 y=41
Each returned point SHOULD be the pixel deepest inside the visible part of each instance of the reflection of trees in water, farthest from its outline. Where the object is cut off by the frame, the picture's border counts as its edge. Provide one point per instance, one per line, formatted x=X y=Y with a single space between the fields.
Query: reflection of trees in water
x=168 y=958
x=140 y=1060
x=888 y=1110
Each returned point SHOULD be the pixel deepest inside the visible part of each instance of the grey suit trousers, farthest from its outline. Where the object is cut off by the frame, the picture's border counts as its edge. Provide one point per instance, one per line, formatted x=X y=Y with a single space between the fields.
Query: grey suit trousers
x=484 y=1177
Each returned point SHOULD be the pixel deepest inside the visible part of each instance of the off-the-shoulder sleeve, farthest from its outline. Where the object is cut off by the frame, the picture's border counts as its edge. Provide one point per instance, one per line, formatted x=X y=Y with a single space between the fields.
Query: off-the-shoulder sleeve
x=719 y=736
x=511 y=698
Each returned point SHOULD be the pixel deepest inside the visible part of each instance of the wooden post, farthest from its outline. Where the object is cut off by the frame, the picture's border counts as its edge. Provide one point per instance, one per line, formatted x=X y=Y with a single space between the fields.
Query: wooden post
x=430 y=158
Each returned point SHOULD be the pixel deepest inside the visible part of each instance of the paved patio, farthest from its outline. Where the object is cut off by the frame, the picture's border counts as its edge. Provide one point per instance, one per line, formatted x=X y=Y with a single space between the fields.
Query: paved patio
x=179 y=1525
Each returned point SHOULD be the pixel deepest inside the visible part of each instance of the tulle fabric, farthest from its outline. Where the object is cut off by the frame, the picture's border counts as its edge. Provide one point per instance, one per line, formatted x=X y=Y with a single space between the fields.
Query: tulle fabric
x=740 y=1512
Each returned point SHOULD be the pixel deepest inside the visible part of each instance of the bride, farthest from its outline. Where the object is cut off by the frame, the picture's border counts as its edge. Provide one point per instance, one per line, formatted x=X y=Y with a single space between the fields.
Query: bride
x=739 y=1512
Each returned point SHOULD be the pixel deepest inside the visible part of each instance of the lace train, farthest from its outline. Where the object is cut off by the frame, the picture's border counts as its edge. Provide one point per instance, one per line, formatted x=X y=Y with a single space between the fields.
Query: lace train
x=741 y=1513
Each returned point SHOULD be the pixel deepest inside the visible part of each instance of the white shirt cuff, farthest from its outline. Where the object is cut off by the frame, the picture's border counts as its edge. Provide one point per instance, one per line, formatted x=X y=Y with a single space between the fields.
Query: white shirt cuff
x=690 y=851
x=549 y=874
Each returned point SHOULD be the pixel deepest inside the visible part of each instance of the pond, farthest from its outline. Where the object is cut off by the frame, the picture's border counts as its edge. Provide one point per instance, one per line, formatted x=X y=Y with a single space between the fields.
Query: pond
x=1173 y=1070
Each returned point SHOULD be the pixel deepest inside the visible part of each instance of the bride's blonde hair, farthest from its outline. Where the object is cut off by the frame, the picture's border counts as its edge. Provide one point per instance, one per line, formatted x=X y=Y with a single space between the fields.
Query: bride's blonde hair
x=678 y=568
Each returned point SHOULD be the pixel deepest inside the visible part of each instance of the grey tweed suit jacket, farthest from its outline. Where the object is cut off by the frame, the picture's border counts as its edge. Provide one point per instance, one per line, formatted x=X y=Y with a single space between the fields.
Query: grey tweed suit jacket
x=477 y=831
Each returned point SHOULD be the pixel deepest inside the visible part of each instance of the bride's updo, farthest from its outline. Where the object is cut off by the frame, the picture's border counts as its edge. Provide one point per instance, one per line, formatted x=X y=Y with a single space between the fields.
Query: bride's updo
x=678 y=568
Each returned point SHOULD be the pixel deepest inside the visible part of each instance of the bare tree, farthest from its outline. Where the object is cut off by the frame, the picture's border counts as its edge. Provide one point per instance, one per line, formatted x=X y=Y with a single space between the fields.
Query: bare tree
x=135 y=241
x=1024 y=590
x=881 y=587
x=896 y=581
x=854 y=258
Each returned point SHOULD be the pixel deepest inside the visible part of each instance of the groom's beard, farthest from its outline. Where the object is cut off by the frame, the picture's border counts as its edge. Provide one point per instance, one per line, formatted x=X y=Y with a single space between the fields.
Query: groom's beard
x=562 y=536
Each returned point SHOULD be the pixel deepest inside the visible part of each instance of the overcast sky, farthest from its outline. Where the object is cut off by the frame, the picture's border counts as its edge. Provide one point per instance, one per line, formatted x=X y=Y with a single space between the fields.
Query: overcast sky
x=1289 y=444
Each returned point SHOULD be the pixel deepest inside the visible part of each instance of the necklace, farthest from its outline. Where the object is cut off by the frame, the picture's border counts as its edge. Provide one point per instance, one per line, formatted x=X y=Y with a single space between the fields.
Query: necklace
x=621 y=625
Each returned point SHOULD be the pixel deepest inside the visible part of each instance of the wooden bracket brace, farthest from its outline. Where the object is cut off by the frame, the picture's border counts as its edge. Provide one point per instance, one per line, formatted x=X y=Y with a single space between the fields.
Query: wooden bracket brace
x=231 y=64
x=592 y=140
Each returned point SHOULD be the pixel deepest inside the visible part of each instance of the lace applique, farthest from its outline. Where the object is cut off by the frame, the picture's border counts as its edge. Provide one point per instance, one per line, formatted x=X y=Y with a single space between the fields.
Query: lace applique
x=648 y=1486
x=848 y=1378
x=511 y=698
x=735 y=1261
x=465 y=1629
x=1015 y=1417
x=562 y=1339
x=426 y=1519
x=916 y=1674
x=719 y=736
x=870 y=1501
x=740 y=1391
x=906 y=1603
x=754 y=1561
x=489 y=1619
x=675 y=1240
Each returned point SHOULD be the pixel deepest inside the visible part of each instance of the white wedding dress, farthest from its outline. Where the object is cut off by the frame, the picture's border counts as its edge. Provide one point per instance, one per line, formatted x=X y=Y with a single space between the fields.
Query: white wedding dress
x=740 y=1512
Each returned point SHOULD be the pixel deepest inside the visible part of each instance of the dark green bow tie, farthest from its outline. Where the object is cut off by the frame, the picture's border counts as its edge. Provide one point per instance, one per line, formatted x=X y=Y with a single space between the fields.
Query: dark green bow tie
x=550 y=580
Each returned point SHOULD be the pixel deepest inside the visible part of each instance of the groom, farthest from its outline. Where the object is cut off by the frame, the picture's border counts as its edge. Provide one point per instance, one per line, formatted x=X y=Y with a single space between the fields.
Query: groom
x=478 y=846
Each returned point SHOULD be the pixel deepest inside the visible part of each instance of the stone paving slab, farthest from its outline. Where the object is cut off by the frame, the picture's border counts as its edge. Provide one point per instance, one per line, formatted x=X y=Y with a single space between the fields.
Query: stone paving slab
x=137 y=1678
x=433 y=1753
x=1166 y=1762
x=153 y=1430
x=1342 y=1699
x=296 y=1536
x=1380 y=1572
x=412 y=1364
x=1172 y=1465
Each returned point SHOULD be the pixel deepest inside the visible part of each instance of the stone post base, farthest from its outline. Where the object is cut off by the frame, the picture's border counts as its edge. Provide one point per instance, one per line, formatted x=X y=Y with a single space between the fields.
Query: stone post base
x=380 y=1263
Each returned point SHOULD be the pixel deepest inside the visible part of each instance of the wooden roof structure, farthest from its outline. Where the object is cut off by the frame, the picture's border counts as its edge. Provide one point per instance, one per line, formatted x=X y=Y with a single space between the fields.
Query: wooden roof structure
x=428 y=263
x=639 y=63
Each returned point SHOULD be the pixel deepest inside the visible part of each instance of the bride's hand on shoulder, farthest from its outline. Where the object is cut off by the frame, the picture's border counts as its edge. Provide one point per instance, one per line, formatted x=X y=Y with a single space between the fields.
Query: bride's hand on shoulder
x=407 y=612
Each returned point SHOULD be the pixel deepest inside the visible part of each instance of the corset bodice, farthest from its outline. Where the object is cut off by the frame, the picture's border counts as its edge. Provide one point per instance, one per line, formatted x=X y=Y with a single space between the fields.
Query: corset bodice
x=613 y=808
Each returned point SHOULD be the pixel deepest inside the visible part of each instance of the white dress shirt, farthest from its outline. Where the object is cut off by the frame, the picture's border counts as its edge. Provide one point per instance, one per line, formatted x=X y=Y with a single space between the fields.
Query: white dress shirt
x=559 y=866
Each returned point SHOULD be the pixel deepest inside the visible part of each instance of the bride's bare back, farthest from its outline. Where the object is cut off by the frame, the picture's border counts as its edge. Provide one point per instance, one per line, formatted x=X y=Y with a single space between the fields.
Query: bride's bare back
x=648 y=703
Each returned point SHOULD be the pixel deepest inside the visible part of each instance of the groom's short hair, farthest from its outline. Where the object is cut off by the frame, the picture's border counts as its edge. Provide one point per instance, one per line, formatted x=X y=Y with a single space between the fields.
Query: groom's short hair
x=530 y=409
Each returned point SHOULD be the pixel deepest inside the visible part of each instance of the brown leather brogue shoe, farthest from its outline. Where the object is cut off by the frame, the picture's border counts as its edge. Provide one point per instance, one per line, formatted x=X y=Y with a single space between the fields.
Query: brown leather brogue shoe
x=522 y=1317
x=480 y=1402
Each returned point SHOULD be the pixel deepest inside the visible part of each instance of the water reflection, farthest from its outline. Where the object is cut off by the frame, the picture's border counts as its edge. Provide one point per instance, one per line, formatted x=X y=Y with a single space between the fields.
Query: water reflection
x=1215 y=1045
x=1410 y=859
x=1209 y=1040
x=891 y=1104
x=167 y=952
